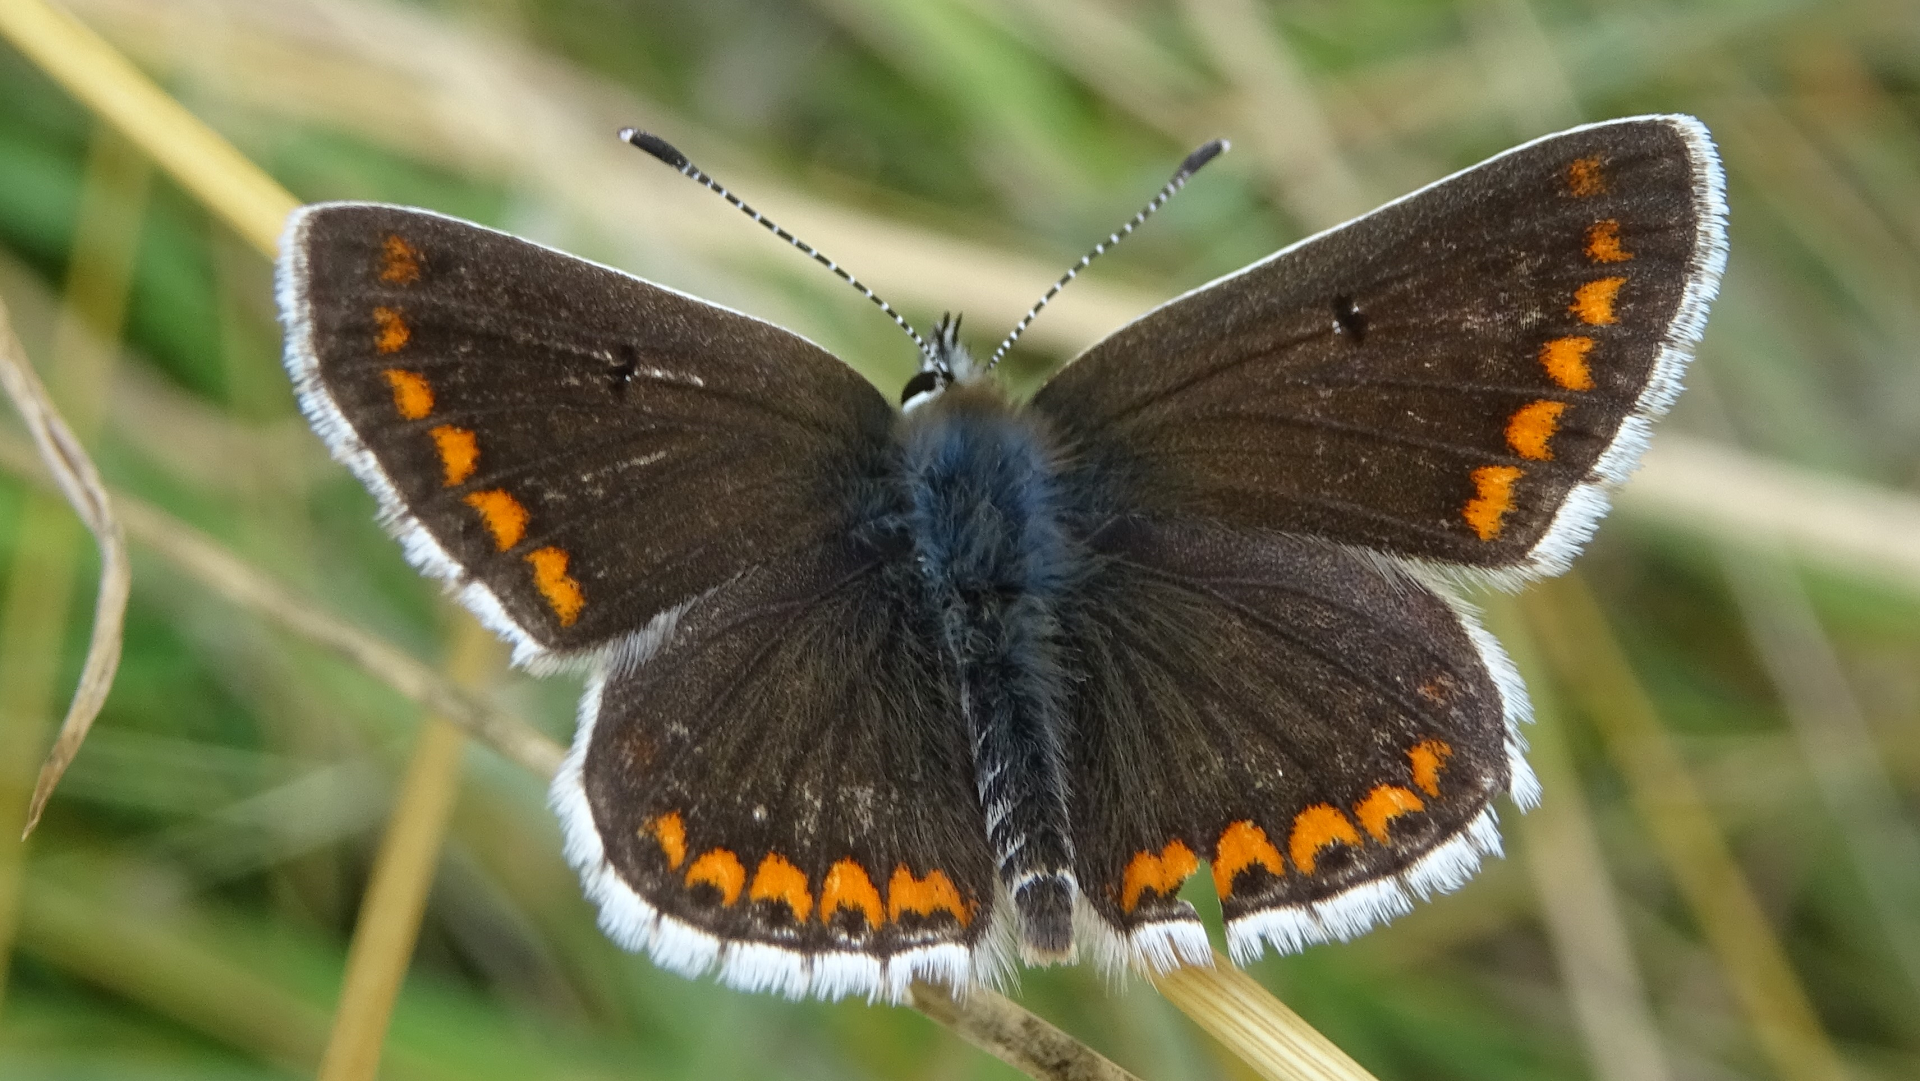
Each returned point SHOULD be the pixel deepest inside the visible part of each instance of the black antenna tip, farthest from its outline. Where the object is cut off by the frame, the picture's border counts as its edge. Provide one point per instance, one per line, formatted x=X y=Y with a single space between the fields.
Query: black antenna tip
x=1202 y=156
x=655 y=145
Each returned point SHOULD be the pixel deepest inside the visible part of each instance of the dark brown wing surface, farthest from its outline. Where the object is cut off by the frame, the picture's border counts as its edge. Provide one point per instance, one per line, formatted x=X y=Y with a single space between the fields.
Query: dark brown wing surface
x=574 y=449
x=1454 y=378
x=784 y=792
x=1327 y=733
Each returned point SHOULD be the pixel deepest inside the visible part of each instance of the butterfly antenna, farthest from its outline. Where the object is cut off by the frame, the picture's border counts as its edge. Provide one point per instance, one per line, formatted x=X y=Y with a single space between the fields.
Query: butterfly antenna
x=665 y=151
x=1180 y=177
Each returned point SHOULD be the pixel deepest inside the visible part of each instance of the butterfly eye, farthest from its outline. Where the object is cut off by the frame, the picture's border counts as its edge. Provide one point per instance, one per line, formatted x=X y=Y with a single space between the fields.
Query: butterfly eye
x=926 y=383
x=1348 y=319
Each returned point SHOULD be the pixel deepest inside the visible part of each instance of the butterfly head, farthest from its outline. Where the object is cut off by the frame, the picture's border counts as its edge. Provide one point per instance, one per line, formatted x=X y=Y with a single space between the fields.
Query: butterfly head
x=944 y=362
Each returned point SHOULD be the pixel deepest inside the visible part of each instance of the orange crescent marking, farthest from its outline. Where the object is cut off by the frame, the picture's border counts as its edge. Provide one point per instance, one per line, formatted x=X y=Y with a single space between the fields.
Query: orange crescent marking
x=1603 y=242
x=720 y=869
x=925 y=896
x=1384 y=803
x=1242 y=845
x=1565 y=360
x=399 y=261
x=1492 y=498
x=1593 y=302
x=1531 y=428
x=847 y=886
x=459 y=452
x=393 y=330
x=506 y=519
x=412 y=395
x=550 y=577
x=779 y=880
x=1162 y=873
x=1429 y=757
x=1316 y=828
x=1583 y=177
x=672 y=835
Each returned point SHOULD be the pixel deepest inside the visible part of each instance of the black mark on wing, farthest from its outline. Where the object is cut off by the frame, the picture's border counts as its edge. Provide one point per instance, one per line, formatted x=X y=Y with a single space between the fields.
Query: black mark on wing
x=1348 y=319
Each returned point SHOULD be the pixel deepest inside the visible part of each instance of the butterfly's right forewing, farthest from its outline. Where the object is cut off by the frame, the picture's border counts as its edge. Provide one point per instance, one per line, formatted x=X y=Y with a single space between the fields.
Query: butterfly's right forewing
x=575 y=449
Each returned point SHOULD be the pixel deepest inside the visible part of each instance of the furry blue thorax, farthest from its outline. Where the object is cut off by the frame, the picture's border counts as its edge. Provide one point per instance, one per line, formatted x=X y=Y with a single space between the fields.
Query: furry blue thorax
x=983 y=497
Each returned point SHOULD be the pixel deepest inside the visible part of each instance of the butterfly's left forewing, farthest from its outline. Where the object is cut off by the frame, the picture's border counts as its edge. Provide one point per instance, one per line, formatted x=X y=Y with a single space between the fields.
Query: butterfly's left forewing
x=1455 y=378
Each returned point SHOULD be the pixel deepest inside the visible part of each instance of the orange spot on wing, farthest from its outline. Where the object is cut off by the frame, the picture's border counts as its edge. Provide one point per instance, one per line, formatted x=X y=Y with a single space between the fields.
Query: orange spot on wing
x=393 y=332
x=1530 y=429
x=1438 y=689
x=847 y=886
x=1583 y=177
x=399 y=262
x=1162 y=872
x=459 y=452
x=1603 y=242
x=1316 y=828
x=550 y=577
x=1565 y=360
x=720 y=869
x=506 y=519
x=1242 y=845
x=1492 y=498
x=672 y=835
x=1429 y=757
x=412 y=396
x=925 y=896
x=779 y=880
x=1384 y=803
x=1593 y=302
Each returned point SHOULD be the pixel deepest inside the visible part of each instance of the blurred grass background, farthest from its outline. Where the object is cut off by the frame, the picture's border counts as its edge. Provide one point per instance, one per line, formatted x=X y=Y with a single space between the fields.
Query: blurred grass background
x=1723 y=882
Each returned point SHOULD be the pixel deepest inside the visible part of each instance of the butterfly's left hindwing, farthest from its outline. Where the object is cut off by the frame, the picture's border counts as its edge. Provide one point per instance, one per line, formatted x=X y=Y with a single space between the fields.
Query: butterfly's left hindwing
x=784 y=792
x=574 y=449
x=1329 y=734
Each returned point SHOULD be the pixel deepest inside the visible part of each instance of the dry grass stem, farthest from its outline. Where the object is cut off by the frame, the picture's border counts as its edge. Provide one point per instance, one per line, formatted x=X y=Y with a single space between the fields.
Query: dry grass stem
x=80 y=483
x=39 y=590
x=122 y=95
x=1009 y=1032
x=1705 y=488
x=403 y=872
x=116 y=946
x=1591 y=944
x=240 y=583
x=1260 y=1029
x=386 y=74
x=187 y=972
x=1275 y=103
x=1838 y=745
x=1580 y=645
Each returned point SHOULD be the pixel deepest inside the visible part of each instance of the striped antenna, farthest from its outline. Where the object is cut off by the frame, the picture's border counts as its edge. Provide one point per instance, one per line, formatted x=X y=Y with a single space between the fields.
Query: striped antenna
x=1180 y=177
x=660 y=148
